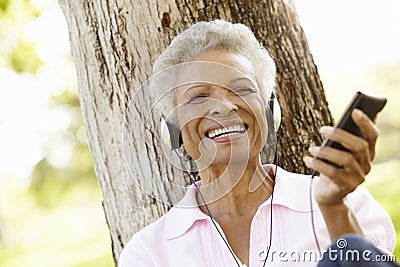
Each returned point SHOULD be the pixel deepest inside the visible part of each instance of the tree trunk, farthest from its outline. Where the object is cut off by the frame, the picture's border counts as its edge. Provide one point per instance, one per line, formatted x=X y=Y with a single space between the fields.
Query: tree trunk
x=114 y=44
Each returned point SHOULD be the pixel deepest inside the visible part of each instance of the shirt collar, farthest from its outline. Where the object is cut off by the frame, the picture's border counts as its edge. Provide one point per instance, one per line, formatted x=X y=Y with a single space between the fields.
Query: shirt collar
x=291 y=190
x=184 y=214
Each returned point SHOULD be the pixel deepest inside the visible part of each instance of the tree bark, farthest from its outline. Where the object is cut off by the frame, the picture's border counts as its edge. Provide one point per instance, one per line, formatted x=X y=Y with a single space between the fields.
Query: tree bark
x=114 y=44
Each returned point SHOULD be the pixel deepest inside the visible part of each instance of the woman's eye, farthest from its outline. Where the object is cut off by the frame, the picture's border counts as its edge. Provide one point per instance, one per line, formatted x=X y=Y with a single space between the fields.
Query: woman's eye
x=198 y=99
x=243 y=90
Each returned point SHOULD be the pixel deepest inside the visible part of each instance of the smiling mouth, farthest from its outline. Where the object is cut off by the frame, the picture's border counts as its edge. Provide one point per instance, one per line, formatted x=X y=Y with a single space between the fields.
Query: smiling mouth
x=222 y=132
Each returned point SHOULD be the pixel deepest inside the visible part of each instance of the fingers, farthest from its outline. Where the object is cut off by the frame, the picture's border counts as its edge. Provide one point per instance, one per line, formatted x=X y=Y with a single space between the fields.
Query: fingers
x=347 y=178
x=368 y=129
x=339 y=157
x=359 y=147
x=335 y=182
x=351 y=166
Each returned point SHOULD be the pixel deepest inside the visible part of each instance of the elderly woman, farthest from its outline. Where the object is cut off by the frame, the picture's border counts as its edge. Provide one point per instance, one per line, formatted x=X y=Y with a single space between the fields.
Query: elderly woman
x=243 y=212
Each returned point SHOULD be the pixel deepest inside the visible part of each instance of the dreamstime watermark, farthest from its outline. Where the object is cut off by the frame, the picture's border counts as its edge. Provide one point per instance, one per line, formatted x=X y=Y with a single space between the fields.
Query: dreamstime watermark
x=342 y=254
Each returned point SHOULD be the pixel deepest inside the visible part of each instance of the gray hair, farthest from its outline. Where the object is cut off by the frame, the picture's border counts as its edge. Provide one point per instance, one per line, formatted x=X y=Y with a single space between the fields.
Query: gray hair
x=219 y=34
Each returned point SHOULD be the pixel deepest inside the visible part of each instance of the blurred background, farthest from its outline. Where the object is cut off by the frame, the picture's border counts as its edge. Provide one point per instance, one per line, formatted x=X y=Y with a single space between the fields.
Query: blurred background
x=50 y=202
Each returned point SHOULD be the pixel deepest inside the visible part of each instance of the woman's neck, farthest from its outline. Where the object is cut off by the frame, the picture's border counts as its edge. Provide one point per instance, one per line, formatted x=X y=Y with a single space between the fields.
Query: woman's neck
x=235 y=189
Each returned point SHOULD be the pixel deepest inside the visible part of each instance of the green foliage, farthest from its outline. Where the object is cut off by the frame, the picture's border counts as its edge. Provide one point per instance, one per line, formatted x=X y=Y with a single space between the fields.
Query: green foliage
x=30 y=10
x=46 y=184
x=49 y=184
x=24 y=58
x=384 y=185
x=67 y=97
x=74 y=234
x=380 y=79
x=4 y=5
x=19 y=10
x=55 y=217
x=102 y=261
x=16 y=51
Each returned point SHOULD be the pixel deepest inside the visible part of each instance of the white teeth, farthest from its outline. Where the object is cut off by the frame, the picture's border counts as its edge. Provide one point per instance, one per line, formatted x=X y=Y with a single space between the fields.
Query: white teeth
x=239 y=128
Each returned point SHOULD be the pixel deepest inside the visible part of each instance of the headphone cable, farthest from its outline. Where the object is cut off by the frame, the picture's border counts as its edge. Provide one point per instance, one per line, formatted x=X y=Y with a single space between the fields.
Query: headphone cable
x=312 y=212
x=276 y=158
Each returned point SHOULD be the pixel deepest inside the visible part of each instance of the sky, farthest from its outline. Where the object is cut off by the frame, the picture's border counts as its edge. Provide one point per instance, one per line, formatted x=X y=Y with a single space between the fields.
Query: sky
x=343 y=36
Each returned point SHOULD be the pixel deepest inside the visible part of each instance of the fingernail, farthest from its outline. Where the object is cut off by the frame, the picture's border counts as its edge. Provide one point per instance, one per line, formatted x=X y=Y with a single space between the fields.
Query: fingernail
x=313 y=149
x=325 y=129
x=358 y=113
x=307 y=159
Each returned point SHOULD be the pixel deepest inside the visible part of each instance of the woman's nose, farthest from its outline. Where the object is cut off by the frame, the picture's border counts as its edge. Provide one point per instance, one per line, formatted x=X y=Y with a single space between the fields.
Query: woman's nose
x=223 y=103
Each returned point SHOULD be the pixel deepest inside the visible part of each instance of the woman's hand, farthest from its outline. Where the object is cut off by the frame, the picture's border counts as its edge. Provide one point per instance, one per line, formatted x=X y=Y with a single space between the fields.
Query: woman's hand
x=336 y=182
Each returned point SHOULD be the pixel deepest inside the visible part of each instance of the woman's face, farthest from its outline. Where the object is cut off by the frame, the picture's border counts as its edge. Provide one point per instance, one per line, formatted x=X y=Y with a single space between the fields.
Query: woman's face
x=220 y=110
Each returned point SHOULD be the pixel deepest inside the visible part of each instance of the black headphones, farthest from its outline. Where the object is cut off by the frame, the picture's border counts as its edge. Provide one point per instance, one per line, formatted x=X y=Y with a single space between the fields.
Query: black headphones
x=172 y=138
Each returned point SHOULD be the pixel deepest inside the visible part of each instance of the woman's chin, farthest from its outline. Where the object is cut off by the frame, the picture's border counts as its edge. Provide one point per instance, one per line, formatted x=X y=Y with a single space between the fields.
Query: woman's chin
x=230 y=160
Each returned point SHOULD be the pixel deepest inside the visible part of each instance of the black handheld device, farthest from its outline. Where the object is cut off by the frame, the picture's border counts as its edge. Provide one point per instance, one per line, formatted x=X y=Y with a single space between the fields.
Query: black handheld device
x=370 y=104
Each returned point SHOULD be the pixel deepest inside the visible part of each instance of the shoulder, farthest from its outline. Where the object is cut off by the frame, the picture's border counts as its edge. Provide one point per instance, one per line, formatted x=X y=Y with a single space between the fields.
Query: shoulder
x=137 y=251
x=146 y=245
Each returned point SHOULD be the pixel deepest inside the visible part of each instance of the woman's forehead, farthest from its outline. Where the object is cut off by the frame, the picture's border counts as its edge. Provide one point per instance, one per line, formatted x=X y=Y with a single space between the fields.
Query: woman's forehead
x=206 y=72
x=216 y=66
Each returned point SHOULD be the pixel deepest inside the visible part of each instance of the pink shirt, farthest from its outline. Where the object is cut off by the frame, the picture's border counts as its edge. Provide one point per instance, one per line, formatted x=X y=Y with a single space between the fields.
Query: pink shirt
x=186 y=236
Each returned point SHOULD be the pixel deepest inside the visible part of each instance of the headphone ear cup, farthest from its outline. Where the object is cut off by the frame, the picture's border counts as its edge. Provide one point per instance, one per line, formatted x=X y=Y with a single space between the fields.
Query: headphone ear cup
x=275 y=111
x=270 y=121
x=170 y=134
x=273 y=116
x=268 y=150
